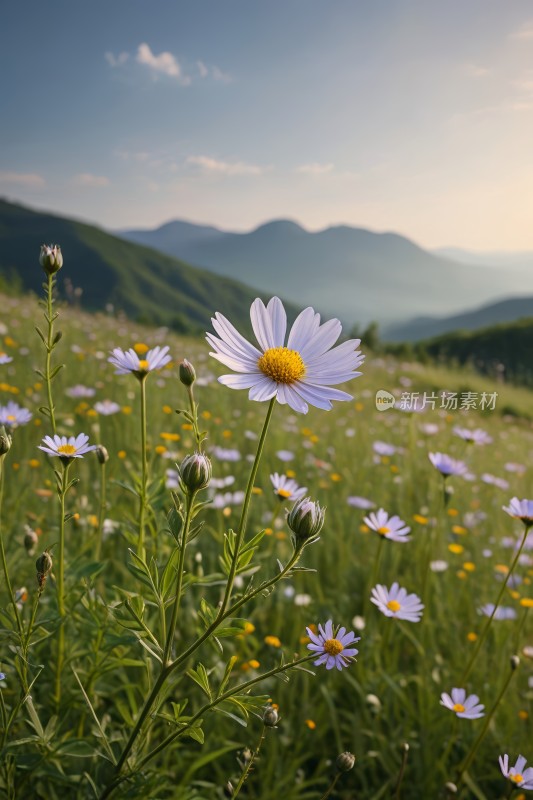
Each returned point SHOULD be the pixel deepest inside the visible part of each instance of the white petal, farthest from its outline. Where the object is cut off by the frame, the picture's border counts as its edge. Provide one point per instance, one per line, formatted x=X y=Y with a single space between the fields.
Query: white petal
x=305 y=326
x=278 y=319
x=264 y=389
x=262 y=324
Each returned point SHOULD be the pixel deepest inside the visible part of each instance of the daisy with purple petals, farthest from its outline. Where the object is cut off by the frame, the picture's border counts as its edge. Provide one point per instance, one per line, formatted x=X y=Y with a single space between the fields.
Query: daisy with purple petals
x=67 y=448
x=12 y=415
x=395 y=602
x=299 y=372
x=286 y=488
x=5 y=359
x=476 y=436
x=522 y=778
x=447 y=465
x=129 y=361
x=392 y=528
x=465 y=707
x=331 y=646
x=522 y=510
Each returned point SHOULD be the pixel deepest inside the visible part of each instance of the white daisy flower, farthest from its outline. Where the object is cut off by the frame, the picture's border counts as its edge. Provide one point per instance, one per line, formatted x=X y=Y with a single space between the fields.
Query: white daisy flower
x=522 y=778
x=447 y=465
x=129 y=361
x=520 y=509
x=287 y=488
x=476 y=436
x=107 y=407
x=395 y=602
x=465 y=707
x=71 y=447
x=390 y=527
x=299 y=373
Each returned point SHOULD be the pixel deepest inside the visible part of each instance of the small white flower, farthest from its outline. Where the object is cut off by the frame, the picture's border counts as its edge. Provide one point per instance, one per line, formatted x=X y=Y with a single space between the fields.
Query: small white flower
x=447 y=465
x=522 y=778
x=520 y=509
x=465 y=707
x=395 y=602
x=71 y=447
x=392 y=528
x=129 y=361
x=286 y=488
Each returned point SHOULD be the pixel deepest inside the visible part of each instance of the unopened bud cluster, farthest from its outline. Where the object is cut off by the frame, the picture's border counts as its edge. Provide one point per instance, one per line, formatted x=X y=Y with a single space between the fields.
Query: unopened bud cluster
x=43 y=566
x=270 y=717
x=51 y=258
x=195 y=472
x=305 y=520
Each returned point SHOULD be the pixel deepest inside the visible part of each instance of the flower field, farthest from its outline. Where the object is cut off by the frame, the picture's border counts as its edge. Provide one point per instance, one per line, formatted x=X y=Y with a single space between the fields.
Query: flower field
x=235 y=599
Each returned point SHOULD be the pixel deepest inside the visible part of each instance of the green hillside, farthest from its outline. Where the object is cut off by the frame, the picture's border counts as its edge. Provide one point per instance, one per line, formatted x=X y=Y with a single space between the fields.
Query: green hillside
x=497 y=350
x=147 y=285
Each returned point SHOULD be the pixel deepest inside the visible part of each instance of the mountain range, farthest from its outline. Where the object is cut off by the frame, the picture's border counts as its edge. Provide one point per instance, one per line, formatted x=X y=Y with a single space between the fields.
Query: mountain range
x=352 y=273
x=146 y=284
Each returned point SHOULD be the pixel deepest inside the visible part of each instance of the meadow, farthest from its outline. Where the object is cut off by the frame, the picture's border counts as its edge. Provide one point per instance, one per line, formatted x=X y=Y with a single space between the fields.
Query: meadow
x=78 y=667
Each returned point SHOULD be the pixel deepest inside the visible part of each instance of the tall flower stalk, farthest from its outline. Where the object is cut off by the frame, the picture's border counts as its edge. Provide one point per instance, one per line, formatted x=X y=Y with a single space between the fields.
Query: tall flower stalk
x=51 y=260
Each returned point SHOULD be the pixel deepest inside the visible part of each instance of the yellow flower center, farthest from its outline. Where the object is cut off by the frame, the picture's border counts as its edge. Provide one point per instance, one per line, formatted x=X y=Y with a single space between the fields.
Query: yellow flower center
x=143 y=365
x=516 y=778
x=333 y=647
x=140 y=348
x=284 y=493
x=11 y=418
x=459 y=708
x=66 y=449
x=393 y=605
x=384 y=530
x=282 y=365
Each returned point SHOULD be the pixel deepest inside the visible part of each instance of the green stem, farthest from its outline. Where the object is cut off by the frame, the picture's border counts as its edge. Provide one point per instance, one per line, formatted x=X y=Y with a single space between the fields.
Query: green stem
x=101 y=514
x=194 y=415
x=249 y=764
x=141 y=552
x=49 y=347
x=331 y=786
x=244 y=513
x=3 y=554
x=61 y=581
x=179 y=579
x=485 y=630
x=468 y=760
x=402 y=771
x=167 y=670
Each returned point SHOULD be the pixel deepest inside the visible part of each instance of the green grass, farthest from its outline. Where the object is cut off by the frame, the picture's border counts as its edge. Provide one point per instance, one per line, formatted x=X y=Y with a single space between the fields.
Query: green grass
x=390 y=696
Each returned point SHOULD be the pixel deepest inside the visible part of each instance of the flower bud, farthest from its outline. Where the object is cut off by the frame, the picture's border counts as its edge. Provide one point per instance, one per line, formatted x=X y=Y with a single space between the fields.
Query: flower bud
x=515 y=661
x=30 y=540
x=101 y=454
x=345 y=762
x=305 y=520
x=43 y=566
x=187 y=373
x=51 y=258
x=450 y=787
x=270 y=717
x=195 y=472
x=5 y=441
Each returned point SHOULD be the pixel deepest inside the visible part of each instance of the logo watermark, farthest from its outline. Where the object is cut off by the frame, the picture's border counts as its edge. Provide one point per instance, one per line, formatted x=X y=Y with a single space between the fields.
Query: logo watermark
x=449 y=401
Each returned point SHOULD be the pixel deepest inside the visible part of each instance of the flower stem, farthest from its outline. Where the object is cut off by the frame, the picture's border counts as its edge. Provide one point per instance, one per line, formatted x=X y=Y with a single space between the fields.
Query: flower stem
x=249 y=764
x=485 y=630
x=50 y=317
x=179 y=578
x=244 y=513
x=402 y=771
x=331 y=786
x=61 y=581
x=470 y=757
x=101 y=515
x=3 y=554
x=141 y=552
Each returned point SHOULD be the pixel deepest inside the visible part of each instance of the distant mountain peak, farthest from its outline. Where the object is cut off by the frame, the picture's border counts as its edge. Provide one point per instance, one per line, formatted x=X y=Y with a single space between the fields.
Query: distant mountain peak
x=279 y=226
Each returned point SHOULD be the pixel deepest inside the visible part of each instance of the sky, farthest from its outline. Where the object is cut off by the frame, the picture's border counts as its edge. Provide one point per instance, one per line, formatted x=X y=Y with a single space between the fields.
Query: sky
x=414 y=116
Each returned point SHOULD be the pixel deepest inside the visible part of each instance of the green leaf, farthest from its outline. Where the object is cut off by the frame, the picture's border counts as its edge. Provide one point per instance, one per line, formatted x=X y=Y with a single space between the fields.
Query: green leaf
x=196 y=733
x=200 y=676
x=97 y=721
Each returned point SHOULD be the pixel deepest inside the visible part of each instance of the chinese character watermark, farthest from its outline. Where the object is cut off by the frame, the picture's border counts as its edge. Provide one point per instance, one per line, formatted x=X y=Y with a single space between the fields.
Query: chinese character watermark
x=448 y=401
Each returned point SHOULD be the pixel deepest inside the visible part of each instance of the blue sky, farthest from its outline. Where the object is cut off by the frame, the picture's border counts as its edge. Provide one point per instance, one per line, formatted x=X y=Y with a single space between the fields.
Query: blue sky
x=407 y=115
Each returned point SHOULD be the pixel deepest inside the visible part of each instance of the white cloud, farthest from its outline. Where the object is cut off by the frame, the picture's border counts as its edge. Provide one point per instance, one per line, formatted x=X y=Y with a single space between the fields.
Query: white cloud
x=525 y=31
x=87 y=179
x=202 y=69
x=476 y=71
x=222 y=77
x=164 y=63
x=29 y=179
x=214 y=166
x=315 y=168
x=116 y=61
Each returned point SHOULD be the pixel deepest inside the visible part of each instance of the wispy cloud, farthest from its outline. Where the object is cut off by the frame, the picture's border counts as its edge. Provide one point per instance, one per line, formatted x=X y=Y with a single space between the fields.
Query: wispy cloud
x=220 y=76
x=315 y=168
x=476 y=71
x=525 y=31
x=214 y=166
x=116 y=61
x=163 y=64
x=202 y=69
x=29 y=179
x=93 y=181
